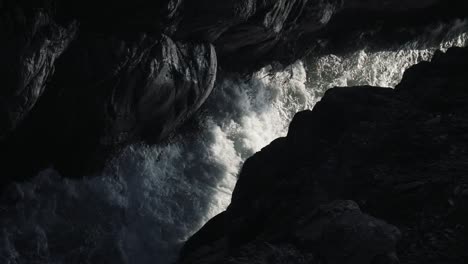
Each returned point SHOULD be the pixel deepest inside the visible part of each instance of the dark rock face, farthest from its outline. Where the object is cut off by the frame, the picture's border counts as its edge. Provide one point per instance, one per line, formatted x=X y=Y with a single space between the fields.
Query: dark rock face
x=250 y=29
x=118 y=17
x=131 y=90
x=107 y=90
x=400 y=155
x=113 y=92
x=135 y=89
x=30 y=45
x=89 y=77
x=382 y=25
x=249 y=34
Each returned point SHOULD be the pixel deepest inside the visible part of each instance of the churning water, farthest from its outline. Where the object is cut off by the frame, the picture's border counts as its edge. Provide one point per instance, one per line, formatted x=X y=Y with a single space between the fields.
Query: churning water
x=153 y=198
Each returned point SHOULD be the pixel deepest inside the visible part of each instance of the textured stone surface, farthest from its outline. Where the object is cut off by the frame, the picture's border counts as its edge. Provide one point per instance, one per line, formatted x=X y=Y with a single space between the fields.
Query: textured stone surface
x=400 y=154
x=111 y=93
x=251 y=33
x=134 y=89
x=31 y=43
x=110 y=60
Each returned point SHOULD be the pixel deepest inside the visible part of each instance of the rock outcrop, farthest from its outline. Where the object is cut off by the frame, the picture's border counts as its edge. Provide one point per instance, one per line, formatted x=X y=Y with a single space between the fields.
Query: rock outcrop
x=133 y=88
x=362 y=154
x=107 y=90
x=30 y=45
x=107 y=93
x=249 y=34
x=87 y=78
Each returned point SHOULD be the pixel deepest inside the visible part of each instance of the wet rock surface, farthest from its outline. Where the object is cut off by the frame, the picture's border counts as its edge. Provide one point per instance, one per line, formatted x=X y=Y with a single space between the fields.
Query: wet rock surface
x=249 y=34
x=370 y=175
x=82 y=79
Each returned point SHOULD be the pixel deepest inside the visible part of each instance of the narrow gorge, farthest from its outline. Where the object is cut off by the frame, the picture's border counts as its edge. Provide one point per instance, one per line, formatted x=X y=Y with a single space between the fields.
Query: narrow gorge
x=288 y=131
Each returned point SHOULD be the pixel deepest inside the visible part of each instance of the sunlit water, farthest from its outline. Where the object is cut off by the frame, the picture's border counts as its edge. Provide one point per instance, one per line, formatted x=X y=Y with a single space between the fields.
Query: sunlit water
x=383 y=68
x=153 y=198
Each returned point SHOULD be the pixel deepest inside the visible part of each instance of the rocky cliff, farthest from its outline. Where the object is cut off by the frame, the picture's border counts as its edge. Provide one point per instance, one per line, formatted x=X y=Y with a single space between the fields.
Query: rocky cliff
x=370 y=175
x=81 y=78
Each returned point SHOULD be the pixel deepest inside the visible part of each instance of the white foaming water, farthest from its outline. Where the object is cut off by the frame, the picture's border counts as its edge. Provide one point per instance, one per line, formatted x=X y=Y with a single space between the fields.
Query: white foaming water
x=151 y=199
x=382 y=68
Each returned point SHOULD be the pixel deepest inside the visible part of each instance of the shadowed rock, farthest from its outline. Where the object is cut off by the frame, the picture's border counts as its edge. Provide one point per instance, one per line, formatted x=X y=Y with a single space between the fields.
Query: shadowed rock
x=109 y=92
x=111 y=86
x=249 y=34
x=400 y=154
x=31 y=43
